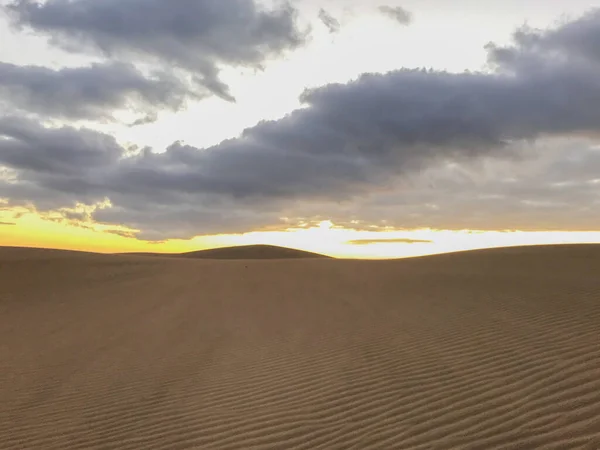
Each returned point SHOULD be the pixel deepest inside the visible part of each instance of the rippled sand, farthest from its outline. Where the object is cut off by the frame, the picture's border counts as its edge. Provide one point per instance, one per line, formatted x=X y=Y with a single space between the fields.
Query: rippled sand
x=485 y=349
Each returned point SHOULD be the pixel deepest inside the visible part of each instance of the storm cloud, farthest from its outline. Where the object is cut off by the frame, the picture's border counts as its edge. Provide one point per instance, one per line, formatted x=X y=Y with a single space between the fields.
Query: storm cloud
x=198 y=36
x=511 y=148
x=92 y=92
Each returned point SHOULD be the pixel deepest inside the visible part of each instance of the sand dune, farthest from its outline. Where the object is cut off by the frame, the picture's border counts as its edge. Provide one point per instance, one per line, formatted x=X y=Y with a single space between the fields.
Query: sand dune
x=242 y=252
x=484 y=349
x=252 y=252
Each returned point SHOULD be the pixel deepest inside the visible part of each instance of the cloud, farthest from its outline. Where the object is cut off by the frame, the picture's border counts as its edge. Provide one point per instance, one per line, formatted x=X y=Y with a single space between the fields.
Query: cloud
x=388 y=241
x=513 y=148
x=554 y=187
x=122 y=233
x=92 y=92
x=399 y=14
x=332 y=24
x=28 y=147
x=7 y=223
x=535 y=50
x=198 y=36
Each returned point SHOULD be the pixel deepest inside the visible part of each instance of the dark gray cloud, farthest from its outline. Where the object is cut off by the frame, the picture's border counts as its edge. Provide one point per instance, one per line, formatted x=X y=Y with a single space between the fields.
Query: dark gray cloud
x=388 y=241
x=332 y=24
x=198 y=36
x=406 y=149
x=30 y=148
x=535 y=50
x=92 y=92
x=399 y=14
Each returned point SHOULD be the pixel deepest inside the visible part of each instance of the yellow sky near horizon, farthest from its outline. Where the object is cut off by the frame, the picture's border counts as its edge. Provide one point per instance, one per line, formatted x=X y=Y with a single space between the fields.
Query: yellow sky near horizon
x=31 y=230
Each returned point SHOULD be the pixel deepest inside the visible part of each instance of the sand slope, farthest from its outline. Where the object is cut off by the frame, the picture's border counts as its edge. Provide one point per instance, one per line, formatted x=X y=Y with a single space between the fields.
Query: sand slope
x=485 y=349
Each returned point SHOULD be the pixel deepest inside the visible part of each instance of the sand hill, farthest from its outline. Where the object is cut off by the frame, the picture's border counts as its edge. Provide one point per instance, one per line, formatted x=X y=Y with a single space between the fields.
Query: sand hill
x=252 y=252
x=483 y=349
x=242 y=252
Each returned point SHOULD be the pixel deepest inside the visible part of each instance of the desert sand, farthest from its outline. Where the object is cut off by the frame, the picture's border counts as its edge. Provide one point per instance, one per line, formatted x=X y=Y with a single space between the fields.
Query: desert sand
x=474 y=350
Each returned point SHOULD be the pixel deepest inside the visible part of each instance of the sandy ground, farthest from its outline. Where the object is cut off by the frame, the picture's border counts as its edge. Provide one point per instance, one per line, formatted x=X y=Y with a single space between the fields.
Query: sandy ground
x=487 y=349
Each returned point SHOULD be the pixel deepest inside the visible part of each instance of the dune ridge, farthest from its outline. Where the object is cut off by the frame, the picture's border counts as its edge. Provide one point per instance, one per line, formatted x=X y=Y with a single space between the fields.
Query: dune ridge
x=481 y=349
x=258 y=251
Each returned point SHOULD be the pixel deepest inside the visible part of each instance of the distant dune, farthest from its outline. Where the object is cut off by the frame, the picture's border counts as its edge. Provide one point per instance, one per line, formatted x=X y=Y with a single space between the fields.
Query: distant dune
x=243 y=252
x=482 y=349
x=252 y=252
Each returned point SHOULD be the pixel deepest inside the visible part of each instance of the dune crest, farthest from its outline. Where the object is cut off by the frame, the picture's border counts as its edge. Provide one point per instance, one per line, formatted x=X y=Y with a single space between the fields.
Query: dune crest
x=252 y=252
x=242 y=252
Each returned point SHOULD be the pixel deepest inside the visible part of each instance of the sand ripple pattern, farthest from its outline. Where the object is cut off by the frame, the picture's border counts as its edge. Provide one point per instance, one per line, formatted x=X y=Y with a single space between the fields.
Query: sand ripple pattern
x=478 y=350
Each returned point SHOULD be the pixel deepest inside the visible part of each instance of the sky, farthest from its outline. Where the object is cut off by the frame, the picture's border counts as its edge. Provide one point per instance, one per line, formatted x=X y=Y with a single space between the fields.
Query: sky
x=347 y=127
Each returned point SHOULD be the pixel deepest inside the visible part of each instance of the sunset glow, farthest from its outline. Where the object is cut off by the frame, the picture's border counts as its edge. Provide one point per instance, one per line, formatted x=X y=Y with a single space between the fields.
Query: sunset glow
x=350 y=129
